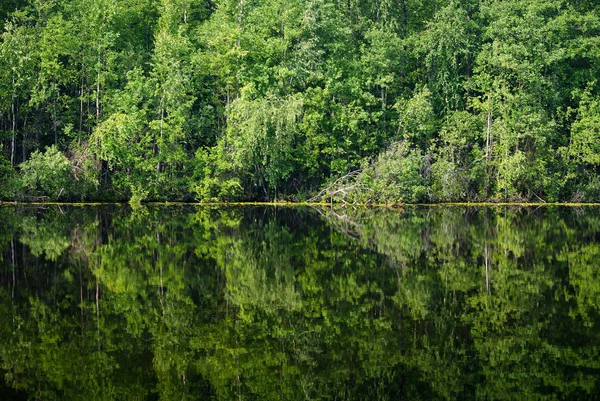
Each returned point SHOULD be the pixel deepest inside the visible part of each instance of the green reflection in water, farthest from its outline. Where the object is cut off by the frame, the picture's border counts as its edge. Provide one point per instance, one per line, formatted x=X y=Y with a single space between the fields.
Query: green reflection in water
x=170 y=303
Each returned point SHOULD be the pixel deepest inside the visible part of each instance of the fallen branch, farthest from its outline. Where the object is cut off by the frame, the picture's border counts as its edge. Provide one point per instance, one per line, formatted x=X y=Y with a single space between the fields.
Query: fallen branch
x=329 y=191
x=538 y=197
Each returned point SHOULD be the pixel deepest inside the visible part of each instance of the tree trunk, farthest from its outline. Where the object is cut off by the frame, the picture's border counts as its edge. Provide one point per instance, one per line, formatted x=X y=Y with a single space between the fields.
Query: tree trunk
x=162 y=115
x=98 y=94
x=14 y=127
x=239 y=23
x=81 y=102
x=488 y=145
x=54 y=122
x=404 y=19
x=23 y=143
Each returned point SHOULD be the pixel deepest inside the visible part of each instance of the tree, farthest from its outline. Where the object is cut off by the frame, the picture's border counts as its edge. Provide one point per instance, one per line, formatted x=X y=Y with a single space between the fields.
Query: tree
x=262 y=133
x=48 y=174
x=17 y=60
x=447 y=45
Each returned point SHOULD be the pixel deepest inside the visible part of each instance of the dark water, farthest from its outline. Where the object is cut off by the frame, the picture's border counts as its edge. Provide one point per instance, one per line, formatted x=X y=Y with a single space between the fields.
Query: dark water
x=241 y=303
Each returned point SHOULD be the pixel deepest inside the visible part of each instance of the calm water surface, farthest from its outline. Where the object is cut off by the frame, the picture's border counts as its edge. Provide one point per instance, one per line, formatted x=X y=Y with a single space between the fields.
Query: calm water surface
x=252 y=303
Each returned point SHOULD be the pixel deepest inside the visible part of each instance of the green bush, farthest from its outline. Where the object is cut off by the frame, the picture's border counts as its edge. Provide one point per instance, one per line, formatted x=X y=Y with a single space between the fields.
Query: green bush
x=215 y=177
x=398 y=175
x=47 y=174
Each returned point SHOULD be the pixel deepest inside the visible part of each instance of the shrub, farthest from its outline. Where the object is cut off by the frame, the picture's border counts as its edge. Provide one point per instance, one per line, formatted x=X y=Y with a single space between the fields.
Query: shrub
x=47 y=174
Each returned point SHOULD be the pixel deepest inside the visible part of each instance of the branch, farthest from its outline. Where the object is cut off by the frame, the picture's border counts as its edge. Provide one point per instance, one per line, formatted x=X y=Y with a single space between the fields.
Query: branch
x=336 y=183
x=538 y=197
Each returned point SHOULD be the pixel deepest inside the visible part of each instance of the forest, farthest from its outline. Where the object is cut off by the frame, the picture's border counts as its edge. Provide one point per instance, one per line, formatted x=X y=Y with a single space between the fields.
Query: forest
x=356 y=101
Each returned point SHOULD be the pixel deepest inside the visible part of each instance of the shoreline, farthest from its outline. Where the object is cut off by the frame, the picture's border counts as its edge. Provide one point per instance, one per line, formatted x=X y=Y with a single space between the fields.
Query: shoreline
x=311 y=204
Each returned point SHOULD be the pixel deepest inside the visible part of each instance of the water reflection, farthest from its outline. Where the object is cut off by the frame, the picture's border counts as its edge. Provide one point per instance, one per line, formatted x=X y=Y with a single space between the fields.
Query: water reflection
x=299 y=303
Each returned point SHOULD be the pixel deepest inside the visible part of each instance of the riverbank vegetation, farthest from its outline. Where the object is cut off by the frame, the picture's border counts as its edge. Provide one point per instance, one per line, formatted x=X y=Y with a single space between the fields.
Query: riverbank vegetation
x=354 y=101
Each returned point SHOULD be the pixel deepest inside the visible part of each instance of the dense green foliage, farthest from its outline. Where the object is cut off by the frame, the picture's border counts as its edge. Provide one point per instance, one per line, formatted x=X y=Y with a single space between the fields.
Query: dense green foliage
x=283 y=304
x=356 y=101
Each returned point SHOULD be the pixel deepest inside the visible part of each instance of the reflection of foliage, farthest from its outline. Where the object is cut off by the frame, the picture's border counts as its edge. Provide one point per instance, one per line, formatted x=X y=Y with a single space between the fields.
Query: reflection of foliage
x=44 y=239
x=251 y=303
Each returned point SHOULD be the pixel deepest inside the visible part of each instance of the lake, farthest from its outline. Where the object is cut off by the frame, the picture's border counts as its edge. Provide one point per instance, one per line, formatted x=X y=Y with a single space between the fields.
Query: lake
x=299 y=303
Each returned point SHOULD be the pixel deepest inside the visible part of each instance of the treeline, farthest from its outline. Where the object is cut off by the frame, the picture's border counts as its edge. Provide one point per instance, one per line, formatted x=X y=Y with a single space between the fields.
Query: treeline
x=355 y=101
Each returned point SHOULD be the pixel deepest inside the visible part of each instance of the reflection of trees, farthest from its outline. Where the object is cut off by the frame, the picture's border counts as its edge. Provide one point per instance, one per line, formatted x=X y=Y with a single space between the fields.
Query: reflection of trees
x=257 y=303
x=512 y=278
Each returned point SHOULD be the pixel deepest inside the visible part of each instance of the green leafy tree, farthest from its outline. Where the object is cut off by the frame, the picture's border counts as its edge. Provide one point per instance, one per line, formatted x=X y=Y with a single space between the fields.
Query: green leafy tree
x=48 y=174
x=447 y=46
x=263 y=135
x=583 y=151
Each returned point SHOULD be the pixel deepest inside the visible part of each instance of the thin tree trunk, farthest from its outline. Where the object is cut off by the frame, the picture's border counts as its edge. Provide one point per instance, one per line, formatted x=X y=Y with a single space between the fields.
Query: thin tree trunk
x=81 y=102
x=488 y=145
x=98 y=92
x=14 y=127
x=23 y=143
x=468 y=58
x=162 y=116
x=89 y=111
x=54 y=122
x=403 y=18
x=239 y=23
x=37 y=130
x=505 y=186
x=98 y=99
x=488 y=141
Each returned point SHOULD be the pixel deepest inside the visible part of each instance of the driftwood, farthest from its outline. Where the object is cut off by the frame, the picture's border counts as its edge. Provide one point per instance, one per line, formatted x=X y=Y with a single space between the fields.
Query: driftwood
x=340 y=188
x=536 y=195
